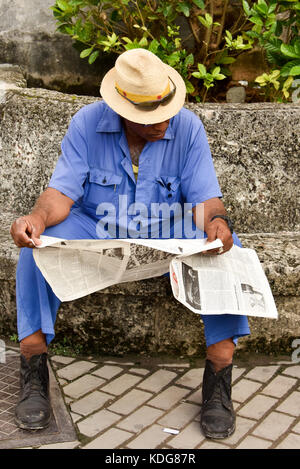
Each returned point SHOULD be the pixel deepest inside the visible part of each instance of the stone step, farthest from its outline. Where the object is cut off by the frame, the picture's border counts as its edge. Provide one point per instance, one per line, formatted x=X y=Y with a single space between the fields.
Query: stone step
x=144 y=317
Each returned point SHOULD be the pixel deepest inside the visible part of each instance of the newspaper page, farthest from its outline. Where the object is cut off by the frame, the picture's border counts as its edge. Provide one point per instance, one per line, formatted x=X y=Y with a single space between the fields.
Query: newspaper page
x=75 y=268
x=233 y=283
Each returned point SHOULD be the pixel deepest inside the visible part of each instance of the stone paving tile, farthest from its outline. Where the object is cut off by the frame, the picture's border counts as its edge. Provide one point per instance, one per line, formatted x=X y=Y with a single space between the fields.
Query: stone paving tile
x=242 y=390
x=257 y=407
x=121 y=384
x=279 y=386
x=109 y=440
x=97 y=422
x=157 y=380
x=192 y=378
x=262 y=373
x=180 y=416
x=237 y=372
x=243 y=425
x=62 y=360
x=212 y=445
x=139 y=371
x=251 y=442
x=130 y=401
x=90 y=403
x=189 y=438
x=293 y=371
x=107 y=371
x=296 y=428
x=75 y=369
x=65 y=445
x=170 y=396
x=292 y=441
x=140 y=419
x=273 y=426
x=83 y=385
x=195 y=396
x=150 y=438
x=291 y=405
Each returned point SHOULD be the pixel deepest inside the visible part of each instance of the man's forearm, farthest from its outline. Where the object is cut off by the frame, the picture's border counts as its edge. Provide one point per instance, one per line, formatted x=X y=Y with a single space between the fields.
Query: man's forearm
x=204 y=212
x=52 y=206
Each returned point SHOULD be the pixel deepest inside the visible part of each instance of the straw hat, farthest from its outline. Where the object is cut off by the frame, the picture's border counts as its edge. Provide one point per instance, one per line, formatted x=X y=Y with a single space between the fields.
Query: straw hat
x=140 y=77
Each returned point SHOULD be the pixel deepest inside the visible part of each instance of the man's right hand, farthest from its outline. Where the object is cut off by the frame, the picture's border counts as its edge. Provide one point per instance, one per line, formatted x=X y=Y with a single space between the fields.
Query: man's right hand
x=26 y=230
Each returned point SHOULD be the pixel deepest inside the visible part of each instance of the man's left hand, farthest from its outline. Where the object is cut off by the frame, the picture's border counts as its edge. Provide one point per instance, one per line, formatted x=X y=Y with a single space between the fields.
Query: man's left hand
x=218 y=228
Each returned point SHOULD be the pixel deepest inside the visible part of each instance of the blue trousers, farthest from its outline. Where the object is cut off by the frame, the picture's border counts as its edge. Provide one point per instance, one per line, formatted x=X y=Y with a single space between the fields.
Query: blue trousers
x=37 y=305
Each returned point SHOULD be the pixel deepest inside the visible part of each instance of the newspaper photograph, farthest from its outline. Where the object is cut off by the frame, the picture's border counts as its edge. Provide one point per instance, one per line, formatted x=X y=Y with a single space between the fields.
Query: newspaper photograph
x=232 y=283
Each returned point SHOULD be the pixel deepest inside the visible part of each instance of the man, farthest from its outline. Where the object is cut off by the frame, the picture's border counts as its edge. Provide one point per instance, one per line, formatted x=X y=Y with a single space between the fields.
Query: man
x=141 y=143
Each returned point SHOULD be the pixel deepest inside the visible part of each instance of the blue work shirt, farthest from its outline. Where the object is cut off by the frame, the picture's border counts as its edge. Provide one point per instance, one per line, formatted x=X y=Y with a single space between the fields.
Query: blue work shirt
x=95 y=170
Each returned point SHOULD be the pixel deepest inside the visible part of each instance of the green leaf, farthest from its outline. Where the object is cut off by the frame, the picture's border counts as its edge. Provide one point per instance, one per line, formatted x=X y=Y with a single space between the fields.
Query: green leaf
x=256 y=20
x=215 y=71
x=86 y=52
x=199 y=3
x=202 y=69
x=227 y=60
x=189 y=60
x=164 y=42
x=93 y=56
x=246 y=7
x=295 y=70
x=285 y=70
x=143 y=42
x=262 y=7
x=183 y=8
x=189 y=87
x=289 y=51
x=62 y=5
x=153 y=46
x=220 y=76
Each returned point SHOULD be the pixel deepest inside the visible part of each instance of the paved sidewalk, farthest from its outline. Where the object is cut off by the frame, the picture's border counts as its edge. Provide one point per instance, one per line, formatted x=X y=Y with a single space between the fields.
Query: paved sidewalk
x=139 y=403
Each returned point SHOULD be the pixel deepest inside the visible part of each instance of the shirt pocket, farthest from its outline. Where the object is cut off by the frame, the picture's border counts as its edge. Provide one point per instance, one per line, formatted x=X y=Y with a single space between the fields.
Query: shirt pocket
x=168 y=189
x=103 y=185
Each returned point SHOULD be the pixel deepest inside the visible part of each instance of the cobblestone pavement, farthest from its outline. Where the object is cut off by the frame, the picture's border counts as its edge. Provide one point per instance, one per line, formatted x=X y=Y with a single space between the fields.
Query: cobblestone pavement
x=119 y=404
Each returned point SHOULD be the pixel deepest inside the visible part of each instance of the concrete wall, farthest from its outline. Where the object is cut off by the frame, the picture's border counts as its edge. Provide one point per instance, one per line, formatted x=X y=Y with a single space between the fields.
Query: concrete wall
x=256 y=153
x=28 y=38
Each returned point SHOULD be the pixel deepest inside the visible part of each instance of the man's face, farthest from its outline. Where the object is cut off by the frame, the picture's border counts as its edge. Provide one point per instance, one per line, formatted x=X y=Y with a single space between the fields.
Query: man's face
x=151 y=133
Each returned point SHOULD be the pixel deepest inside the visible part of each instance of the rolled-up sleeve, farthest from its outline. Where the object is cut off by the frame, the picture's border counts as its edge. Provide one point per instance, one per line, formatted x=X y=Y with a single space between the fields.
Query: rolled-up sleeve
x=199 y=180
x=71 y=169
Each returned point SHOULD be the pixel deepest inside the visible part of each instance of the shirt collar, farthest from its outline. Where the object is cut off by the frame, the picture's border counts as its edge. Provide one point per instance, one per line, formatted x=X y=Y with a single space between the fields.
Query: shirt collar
x=110 y=122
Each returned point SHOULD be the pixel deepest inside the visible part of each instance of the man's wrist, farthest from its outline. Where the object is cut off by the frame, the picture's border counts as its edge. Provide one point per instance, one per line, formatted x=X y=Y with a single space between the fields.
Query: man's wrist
x=225 y=218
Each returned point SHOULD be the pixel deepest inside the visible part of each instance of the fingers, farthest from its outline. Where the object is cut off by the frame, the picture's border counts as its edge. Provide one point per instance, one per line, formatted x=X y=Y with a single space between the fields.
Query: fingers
x=24 y=233
x=218 y=228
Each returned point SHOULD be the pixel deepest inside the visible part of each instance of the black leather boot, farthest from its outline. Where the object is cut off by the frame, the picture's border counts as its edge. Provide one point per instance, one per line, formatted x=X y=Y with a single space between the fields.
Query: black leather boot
x=217 y=414
x=33 y=412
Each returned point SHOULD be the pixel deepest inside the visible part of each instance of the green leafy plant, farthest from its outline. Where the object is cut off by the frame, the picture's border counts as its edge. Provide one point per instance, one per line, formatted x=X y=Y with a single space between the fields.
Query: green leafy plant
x=276 y=28
x=209 y=37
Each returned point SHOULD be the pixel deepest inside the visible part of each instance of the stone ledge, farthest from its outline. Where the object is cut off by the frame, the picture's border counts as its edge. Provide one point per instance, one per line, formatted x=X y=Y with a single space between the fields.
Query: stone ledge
x=278 y=252
x=143 y=317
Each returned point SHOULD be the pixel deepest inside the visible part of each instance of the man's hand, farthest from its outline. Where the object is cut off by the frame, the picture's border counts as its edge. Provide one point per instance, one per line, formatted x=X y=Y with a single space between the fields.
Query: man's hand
x=218 y=228
x=51 y=208
x=26 y=230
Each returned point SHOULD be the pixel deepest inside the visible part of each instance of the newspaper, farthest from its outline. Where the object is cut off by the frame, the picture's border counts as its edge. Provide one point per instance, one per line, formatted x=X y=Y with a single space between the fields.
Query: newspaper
x=233 y=283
